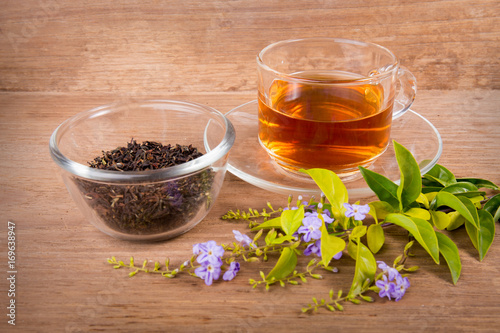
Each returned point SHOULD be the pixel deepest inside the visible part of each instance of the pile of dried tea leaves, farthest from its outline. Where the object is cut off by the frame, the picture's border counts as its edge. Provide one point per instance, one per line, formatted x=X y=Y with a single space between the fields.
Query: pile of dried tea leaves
x=148 y=155
x=151 y=208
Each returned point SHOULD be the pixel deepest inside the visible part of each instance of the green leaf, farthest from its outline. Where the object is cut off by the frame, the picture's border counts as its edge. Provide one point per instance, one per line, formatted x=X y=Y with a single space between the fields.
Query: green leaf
x=429 y=189
x=282 y=239
x=466 y=189
x=449 y=251
x=331 y=185
x=476 y=200
x=493 y=207
x=456 y=220
x=431 y=183
x=269 y=224
x=330 y=245
x=366 y=266
x=480 y=183
x=460 y=188
x=421 y=230
x=430 y=196
x=422 y=199
x=291 y=220
x=472 y=195
x=440 y=219
x=411 y=181
x=380 y=209
x=375 y=237
x=384 y=188
x=285 y=265
x=418 y=212
x=439 y=174
x=482 y=237
x=358 y=231
x=461 y=204
x=270 y=237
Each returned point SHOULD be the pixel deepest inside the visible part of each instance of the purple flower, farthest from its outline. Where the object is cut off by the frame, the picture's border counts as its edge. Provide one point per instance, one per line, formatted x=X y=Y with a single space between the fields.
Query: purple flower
x=310 y=228
x=234 y=267
x=208 y=272
x=390 y=271
x=402 y=283
x=313 y=248
x=209 y=252
x=338 y=256
x=358 y=211
x=199 y=248
x=325 y=215
x=386 y=288
x=316 y=249
x=243 y=239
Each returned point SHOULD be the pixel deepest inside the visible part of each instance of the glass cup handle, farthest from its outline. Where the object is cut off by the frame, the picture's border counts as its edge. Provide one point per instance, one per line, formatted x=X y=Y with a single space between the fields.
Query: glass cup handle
x=407 y=92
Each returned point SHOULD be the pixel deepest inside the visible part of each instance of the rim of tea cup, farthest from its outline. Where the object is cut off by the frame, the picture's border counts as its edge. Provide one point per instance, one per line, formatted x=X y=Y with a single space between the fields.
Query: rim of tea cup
x=386 y=70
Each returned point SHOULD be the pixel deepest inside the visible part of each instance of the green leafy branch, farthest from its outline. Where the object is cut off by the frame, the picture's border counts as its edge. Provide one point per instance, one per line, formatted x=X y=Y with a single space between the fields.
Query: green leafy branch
x=165 y=271
x=415 y=205
x=252 y=214
x=333 y=303
x=426 y=206
x=358 y=291
x=292 y=278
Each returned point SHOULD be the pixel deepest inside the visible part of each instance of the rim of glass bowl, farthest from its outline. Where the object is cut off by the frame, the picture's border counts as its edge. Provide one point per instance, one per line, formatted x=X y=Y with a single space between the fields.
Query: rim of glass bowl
x=176 y=171
x=387 y=70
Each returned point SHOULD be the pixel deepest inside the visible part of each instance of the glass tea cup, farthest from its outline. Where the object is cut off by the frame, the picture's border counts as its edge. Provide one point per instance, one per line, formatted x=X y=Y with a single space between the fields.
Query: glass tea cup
x=329 y=103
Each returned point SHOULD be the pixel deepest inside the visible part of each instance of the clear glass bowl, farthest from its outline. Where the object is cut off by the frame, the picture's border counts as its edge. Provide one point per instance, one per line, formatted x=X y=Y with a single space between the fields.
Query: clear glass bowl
x=144 y=205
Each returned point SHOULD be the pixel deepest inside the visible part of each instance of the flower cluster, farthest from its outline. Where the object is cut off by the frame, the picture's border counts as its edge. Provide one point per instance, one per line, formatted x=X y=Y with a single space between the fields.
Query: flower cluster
x=310 y=231
x=311 y=224
x=210 y=255
x=210 y=258
x=392 y=285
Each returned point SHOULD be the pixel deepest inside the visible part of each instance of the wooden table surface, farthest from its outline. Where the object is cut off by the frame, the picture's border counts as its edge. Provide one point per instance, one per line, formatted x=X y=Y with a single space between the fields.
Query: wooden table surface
x=58 y=58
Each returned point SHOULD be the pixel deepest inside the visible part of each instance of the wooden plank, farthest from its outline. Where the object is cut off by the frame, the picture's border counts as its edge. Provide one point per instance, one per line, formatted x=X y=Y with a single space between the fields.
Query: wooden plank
x=64 y=282
x=58 y=58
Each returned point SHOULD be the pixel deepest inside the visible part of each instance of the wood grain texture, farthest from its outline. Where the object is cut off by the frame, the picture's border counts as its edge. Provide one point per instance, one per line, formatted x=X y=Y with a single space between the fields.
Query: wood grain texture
x=58 y=58
x=199 y=46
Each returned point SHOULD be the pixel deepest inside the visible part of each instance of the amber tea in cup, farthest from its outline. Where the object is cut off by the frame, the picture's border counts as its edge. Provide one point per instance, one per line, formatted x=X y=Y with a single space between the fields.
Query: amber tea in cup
x=329 y=103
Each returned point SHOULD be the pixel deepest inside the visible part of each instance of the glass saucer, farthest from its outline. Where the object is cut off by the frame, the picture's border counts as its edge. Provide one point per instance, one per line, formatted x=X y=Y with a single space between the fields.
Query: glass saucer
x=250 y=162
